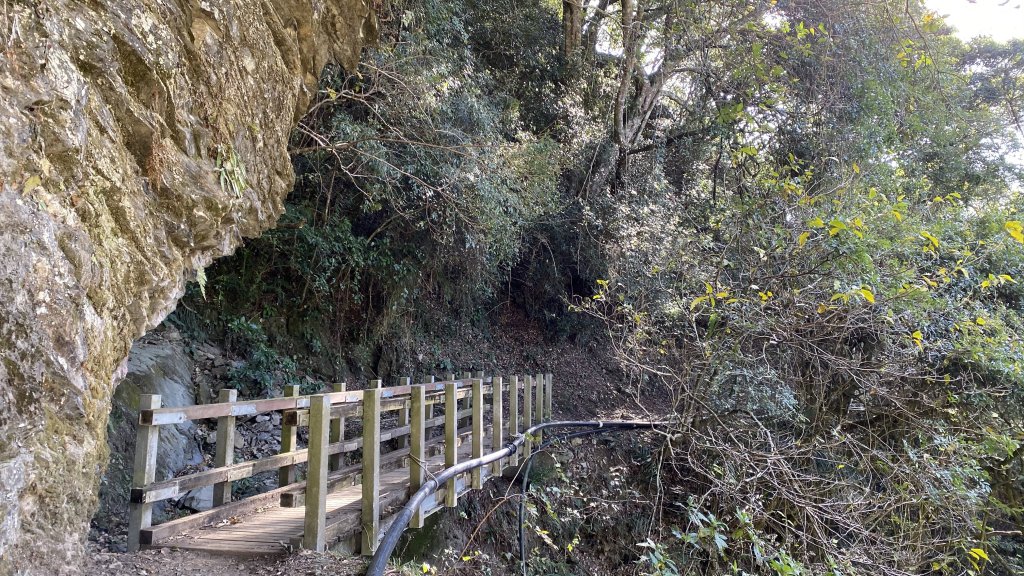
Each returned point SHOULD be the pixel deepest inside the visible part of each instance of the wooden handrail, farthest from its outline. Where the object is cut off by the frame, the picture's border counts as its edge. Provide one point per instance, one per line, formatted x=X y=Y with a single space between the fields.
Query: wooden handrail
x=414 y=402
x=165 y=416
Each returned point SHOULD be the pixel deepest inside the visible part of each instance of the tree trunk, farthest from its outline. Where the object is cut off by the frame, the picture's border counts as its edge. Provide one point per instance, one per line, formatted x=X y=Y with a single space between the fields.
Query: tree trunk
x=572 y=27
x=629 y=55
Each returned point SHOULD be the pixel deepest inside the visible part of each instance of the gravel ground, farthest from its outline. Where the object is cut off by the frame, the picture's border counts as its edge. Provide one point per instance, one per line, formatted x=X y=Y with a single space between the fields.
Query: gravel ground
x=169 y=562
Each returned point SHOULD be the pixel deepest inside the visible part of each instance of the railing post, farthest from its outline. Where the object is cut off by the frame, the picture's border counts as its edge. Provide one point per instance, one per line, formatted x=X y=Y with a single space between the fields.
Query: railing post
x=497 y=425
x=468 y=400
x=403 y=414
x=478 y=431
x=286 y=474
x=143 y=472
x=527 y=414
x=337 y=434
x=548 y=396
x=418 y=447
x=315 y=525
x=371 y=467
x=225 y=448
x=513 y=415
x=539 y=404
x=431 y=410
x=451 y=439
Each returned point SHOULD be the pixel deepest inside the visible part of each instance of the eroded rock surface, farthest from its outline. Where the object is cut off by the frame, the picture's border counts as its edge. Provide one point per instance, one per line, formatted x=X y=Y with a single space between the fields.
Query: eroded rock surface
x=158 y=363
x=139 y=139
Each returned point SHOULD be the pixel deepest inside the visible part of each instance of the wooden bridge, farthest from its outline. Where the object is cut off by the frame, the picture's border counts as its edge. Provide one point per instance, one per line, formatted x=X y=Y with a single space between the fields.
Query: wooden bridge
x=407 y=433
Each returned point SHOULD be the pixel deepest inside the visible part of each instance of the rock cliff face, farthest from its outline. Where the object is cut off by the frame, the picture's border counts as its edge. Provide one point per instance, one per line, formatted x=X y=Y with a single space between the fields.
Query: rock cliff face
x=139 y=139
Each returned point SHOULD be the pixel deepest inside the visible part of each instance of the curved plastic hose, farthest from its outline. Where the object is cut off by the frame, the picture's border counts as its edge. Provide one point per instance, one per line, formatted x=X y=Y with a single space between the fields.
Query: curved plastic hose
x=387 y=545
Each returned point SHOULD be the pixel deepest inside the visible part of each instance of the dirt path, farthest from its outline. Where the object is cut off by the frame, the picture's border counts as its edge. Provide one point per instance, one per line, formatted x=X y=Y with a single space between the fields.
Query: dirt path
x=166 y=562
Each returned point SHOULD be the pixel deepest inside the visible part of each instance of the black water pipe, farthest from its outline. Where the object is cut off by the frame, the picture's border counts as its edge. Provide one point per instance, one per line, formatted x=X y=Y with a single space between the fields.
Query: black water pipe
x=394 y=532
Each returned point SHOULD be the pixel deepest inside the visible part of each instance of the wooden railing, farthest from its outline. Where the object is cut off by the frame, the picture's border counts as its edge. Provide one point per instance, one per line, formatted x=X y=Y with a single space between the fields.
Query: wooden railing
x=326 y=417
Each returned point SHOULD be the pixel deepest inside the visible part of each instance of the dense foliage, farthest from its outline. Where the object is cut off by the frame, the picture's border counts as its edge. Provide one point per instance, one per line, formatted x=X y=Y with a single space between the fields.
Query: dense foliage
x=828 y=284
x=801 y=218
x=416 y=182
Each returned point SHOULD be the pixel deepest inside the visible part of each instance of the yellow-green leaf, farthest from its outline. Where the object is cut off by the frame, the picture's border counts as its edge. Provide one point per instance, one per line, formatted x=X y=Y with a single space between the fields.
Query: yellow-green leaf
x=856 y=168
x=979 y=553
x=816 y=223
x=835 y=226
x=896 y=214
x=1015 y=229
x=803 y=239
x=980 y=321
x=929 y=237
x=868 y=294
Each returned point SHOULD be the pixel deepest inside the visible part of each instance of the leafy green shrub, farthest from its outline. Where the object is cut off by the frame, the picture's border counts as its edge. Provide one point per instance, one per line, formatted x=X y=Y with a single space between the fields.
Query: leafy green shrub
x=263 y=371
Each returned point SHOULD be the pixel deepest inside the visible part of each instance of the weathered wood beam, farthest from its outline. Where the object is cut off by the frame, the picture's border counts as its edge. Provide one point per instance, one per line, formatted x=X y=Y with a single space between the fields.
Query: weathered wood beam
x=147 y=437
x=337 y=433
x=403 y=412
x=539 y=404
x=451 y=446
x=371 y=469
x=316 y=476
x=163 y=416
x=418 y=450
x=497 y=422
x=527 y=414
x=548 y=396
x=289 y=442
x=513 y=415
x=478 y=431
x=225 y=455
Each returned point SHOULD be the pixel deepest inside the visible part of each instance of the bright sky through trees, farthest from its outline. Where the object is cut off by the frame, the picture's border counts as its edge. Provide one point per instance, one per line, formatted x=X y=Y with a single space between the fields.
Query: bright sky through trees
x=1000 y=19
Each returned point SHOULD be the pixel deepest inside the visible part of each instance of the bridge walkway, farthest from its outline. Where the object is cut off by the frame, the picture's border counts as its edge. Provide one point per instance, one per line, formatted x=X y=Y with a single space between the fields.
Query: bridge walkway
x=406 y=433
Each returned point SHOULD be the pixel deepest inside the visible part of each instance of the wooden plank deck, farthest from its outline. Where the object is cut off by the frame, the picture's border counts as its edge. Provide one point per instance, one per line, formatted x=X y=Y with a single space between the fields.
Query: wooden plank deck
x=274 y=530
